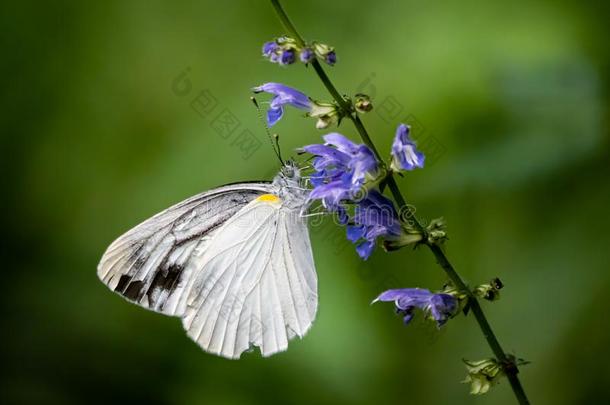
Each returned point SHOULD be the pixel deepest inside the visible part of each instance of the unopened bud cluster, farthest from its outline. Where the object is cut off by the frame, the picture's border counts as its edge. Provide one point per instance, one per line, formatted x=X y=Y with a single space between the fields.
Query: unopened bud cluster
x=285 y=50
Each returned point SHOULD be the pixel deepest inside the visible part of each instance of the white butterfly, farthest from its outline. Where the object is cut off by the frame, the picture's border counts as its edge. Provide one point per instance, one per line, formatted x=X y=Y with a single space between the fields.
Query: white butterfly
x=235 y=263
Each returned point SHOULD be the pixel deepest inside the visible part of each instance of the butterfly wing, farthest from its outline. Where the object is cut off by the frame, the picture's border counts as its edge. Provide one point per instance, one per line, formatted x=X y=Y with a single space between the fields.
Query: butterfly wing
x=257 y=286
x=153 y=264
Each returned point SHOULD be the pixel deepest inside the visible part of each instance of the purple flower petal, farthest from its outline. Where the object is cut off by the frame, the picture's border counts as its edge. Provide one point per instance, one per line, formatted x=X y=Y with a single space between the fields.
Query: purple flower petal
x=331 y=193
x=287 y=57
x=377 y=210
x=440 y=306
x=282 y=95
x=364 y=162
x=326 y=156
x=408 y=315
x=269 y=48
x=342 y=143
x=306 y=55
x=405 y=155
x=355 y=232
x=274 y=115
x=365 y=249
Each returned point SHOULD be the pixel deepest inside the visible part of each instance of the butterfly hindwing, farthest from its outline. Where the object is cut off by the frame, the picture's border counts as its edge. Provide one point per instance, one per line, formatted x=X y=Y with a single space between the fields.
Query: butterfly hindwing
x=257 y=286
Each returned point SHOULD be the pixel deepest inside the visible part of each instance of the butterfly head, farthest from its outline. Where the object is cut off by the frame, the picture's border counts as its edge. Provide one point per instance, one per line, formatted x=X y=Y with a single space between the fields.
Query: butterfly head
x=290 y=171
x=290 y=184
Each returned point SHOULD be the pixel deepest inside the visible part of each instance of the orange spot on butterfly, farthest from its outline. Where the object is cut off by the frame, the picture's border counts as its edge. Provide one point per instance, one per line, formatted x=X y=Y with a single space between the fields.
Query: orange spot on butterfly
x=269 y=198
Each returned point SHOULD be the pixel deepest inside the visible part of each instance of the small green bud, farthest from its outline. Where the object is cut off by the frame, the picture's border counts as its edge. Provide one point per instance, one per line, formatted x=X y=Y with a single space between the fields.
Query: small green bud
x=363 y=103
x=436 y=231
x=489 y=291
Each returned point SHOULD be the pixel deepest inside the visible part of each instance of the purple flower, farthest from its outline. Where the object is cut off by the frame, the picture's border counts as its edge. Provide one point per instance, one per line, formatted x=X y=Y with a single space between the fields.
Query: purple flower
x=269 y=48
x=331 y=58
x=374 y=217
x=282 y=95
x=438 y=306
x=341 y=169
x=404 y=154
x=287 y=57
x=361 y=160
x=306 y=55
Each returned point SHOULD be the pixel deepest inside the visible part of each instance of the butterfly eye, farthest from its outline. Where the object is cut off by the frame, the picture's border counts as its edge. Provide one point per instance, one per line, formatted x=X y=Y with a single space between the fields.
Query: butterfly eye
x=289 y=171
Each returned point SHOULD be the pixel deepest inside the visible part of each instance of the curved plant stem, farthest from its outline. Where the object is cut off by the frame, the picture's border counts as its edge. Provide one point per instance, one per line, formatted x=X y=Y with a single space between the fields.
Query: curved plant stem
x=509 y=366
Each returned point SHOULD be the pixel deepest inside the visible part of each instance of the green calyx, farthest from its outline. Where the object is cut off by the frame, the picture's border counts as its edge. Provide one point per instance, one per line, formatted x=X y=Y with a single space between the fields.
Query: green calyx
x=484 y=374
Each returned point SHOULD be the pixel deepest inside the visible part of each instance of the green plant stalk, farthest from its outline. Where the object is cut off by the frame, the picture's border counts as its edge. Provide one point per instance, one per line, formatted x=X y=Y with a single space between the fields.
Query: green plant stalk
x=510 y=368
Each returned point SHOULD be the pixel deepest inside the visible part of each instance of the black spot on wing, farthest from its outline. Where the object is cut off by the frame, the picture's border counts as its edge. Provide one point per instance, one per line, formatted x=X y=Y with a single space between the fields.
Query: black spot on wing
x=134 y=290
x=164 y=280
x=123 y=281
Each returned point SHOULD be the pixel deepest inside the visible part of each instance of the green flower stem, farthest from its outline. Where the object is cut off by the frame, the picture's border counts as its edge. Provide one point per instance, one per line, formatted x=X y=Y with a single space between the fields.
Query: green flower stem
x=510 y=369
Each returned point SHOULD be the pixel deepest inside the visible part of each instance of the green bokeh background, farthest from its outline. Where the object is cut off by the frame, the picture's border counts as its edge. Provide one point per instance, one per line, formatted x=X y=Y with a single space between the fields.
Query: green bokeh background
x=94 y=141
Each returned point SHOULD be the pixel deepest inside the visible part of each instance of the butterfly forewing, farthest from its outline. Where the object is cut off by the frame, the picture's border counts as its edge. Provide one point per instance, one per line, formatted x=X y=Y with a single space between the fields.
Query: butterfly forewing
x=152 y=264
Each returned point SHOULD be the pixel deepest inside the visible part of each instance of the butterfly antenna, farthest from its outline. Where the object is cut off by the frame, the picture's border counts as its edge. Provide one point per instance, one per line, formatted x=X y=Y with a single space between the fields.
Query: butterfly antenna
x=275 y=138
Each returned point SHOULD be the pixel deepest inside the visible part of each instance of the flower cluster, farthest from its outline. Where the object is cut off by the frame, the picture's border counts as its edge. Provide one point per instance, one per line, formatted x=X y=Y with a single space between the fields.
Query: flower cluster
x=346 y=174
x=437 y=306
x=342 y=167
x=284 y=51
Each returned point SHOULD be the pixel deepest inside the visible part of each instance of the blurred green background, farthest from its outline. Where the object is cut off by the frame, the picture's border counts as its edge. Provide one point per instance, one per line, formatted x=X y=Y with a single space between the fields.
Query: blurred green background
x=94 y=140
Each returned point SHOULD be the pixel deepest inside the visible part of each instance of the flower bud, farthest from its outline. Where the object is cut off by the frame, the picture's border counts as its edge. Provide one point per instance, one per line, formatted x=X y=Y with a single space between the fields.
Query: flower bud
x=325 y=52
x=363 y=103
x=306 y=55
x=287 y=57
x=436 y=231
x=269 y=48
x=489 y=291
